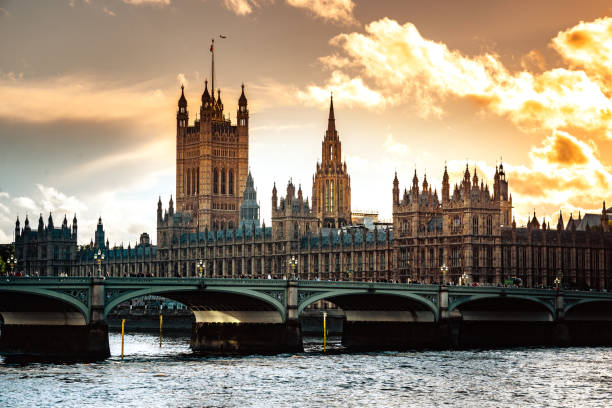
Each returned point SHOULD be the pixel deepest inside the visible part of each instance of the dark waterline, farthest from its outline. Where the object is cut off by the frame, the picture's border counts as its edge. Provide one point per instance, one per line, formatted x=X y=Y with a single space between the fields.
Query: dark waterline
x=174 y=377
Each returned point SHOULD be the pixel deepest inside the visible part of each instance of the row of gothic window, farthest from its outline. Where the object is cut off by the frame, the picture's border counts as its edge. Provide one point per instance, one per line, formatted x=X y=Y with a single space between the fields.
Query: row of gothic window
x=192 y=181
x=223 y=184
x=329 y=196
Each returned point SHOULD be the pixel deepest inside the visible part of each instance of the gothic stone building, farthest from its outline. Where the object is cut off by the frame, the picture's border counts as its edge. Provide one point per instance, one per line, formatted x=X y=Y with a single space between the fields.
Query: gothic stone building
x=46 y=251
x=460 y=232
x=331 y=184
x=212 y=159
x=468 y=235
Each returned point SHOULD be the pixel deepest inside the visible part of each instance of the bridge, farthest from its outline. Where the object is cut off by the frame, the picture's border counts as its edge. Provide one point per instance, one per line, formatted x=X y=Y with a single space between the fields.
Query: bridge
x=66 y=316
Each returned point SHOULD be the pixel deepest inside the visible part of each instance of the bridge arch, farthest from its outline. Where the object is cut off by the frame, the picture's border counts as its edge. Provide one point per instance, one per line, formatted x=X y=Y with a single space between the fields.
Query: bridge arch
x=418 y=301
x=506 y=298
x=72 y=303
x=589 y=303
x=181 y=293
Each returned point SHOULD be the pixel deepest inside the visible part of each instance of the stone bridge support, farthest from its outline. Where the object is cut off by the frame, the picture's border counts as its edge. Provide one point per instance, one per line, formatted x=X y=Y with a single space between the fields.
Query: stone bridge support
x=249 y=331
x=44 y=328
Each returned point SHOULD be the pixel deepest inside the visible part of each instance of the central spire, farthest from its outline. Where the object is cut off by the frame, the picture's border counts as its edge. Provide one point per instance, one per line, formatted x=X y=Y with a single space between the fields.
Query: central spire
x=331 y=124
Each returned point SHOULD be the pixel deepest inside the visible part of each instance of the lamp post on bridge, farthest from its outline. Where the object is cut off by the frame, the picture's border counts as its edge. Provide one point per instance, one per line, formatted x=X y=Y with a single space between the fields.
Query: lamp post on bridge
x=99 y=257
x=201 y=267
x=293 y=262
x=444 y=270
x=557 y=282
x=12 y=261
x=464 y=279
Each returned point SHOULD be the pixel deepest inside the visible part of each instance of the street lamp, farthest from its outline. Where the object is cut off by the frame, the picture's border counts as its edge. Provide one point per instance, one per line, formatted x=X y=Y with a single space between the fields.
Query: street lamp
x=444 y=269
x=293 y=262
x=201 y=267
x=99 y=257
x=557 y=282
x=349 y=273
x=464 y=278
x=12 y=261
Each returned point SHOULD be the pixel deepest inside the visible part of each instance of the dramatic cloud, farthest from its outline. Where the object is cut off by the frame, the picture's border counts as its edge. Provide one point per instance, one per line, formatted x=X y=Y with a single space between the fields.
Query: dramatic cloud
x=241 y=7
x=564 y=172
x=350 y=91
x=588 y=46
x=336 y=11
x=81 y=98
x=148 y=2
x=405 y=67
x=339 y=11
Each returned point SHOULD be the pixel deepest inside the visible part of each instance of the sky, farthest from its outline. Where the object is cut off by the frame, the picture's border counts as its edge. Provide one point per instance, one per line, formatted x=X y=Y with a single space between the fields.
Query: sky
x=89 y=91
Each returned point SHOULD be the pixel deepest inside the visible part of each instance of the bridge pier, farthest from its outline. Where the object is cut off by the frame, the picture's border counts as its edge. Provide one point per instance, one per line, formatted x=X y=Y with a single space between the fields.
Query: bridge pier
x=249 y=332
x=62 y=335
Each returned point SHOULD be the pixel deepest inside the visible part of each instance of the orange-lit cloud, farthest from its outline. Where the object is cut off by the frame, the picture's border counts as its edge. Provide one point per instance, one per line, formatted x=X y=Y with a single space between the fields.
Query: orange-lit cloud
x=401 y=64
x=241 y=7
x=351 y=91
x=81 y=98
x=588 y=46
x=148 y=2
x=339 y=11
x=564 y=172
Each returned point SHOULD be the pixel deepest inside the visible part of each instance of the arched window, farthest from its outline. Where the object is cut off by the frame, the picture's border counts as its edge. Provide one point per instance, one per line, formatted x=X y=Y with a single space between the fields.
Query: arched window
x=326 y=195
x=198 y=182
x=296 y=230
x=223 y=181
x=340 y=196
x=193 y=181
x=188 y=181
x=216 y=181
x=475 y=226
x=331 y=195
x=489 y=226
x=456 y=225
x=231 y=182
x=231 y=225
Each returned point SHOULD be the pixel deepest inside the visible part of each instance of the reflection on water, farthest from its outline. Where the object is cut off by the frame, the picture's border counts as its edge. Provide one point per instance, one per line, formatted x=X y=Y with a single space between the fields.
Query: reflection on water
x=172 y=376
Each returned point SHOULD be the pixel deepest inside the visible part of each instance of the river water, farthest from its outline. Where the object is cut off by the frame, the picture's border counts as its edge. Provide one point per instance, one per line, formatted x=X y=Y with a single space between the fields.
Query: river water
x=170 y=376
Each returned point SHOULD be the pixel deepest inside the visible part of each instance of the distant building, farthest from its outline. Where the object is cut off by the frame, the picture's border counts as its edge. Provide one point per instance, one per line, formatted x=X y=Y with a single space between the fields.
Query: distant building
x=249 y=209
x=366 y=218
x=46 y=251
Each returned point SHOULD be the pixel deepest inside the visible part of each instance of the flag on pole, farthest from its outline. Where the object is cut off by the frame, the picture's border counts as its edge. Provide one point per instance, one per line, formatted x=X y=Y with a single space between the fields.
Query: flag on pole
x=211 y=47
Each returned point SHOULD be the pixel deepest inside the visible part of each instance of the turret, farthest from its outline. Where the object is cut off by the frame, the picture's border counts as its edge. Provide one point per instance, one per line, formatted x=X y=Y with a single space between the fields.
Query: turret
x=425 y=185
x=395 y=190
x=475 y=179
x=415 y=183
x=159 y=210
x=560 y=222
x=605 y=226
x=27 y=224
x=171 y=207
x=50 y=222
x=207 y=101
x=17 y=228
x=182 y=116
x=65 y=223
x=445 y=186
x=243 y=111
x=274 y=198
x=74 y=225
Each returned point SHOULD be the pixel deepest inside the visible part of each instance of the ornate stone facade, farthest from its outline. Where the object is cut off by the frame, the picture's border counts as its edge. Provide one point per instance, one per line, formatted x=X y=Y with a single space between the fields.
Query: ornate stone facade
x=460 y=232
x=212 y=159
x=331 y=184
x=47 y=251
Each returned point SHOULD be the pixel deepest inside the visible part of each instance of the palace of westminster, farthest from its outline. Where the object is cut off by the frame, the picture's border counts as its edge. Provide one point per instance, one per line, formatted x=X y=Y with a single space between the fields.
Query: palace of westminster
x=467 y=234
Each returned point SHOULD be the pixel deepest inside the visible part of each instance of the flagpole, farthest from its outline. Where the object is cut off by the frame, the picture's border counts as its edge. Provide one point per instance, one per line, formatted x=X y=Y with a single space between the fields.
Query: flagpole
x=212 y=49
